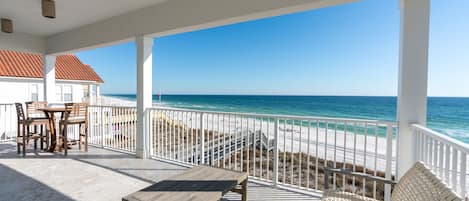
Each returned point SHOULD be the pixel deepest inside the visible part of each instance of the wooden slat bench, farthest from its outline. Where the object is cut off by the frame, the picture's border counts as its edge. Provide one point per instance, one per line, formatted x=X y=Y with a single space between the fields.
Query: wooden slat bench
x=201 y=183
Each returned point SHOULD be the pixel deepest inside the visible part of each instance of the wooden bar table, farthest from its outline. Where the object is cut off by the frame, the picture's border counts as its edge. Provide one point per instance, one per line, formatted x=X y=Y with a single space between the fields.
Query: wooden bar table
x=50 y=114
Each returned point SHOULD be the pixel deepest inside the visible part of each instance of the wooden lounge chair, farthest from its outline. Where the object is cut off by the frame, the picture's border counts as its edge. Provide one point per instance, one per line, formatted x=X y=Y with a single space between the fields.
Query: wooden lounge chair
x=417 y=184
x=200 y=183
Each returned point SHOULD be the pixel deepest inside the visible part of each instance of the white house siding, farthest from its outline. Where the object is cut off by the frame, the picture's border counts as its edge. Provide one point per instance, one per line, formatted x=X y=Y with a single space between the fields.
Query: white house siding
x=20 y=89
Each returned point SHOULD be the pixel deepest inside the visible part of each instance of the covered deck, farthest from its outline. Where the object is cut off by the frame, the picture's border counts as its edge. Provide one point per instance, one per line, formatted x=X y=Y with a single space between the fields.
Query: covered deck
x=99 y=174
x=389 y=151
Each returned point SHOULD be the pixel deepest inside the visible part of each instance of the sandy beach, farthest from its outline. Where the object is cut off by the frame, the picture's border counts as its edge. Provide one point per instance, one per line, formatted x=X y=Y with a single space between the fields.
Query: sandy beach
x=335 y=145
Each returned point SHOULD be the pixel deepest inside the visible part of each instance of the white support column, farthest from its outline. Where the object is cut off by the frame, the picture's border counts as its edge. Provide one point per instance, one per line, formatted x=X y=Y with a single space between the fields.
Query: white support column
x=91 y=98
x=49 y=78
x=413 y=75
x=98 y=99
x=98 y=91
x=144 y=92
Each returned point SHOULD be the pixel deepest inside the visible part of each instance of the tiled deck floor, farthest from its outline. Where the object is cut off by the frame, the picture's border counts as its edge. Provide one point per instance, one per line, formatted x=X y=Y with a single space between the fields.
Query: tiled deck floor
x=96 y=175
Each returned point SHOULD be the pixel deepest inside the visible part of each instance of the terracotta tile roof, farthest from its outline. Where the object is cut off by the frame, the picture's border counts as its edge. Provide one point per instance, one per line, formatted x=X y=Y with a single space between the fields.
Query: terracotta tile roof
x=67 y=67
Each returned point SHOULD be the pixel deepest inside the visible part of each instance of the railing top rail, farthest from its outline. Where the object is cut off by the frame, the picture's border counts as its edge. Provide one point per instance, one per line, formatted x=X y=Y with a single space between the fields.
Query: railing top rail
x=113 y=106
x=7 y=104
x=463 y=147
x=312 y=118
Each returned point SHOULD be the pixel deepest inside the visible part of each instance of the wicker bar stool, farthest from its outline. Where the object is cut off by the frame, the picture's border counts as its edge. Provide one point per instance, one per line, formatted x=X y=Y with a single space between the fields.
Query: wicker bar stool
x=75 y=114
x=24 y=134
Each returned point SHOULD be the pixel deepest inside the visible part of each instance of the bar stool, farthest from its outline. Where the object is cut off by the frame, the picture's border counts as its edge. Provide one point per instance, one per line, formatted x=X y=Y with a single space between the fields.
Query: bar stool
x=24 y=135
x=75 y=114
x=39 y=118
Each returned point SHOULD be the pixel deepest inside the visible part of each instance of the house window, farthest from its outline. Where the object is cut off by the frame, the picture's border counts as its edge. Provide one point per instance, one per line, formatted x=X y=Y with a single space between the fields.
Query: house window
x=67 y=93
x=86 y=89
x=64 y=93
x=58 y=93
x=34 y=95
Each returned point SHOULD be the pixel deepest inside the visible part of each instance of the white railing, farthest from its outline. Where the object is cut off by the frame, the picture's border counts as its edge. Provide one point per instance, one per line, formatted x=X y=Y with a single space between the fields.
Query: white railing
x=109 y=126
x=113 y=127
x=285 y=151
x=8 y=125
x=447 y=157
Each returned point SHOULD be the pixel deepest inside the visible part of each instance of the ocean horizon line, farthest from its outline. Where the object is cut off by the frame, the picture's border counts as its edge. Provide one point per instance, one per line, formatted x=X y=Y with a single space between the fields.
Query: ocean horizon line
x=283 y=95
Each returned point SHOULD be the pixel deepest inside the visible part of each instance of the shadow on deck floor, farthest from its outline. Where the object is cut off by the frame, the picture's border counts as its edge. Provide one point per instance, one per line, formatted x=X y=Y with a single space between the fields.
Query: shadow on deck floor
x=98 y=174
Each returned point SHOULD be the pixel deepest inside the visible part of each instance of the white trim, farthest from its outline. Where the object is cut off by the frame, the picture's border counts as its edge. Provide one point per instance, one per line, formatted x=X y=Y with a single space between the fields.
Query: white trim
x=29 y=79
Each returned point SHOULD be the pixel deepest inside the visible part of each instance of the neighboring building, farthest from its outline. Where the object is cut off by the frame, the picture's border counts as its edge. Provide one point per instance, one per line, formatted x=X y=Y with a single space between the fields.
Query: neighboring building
x=21 y=78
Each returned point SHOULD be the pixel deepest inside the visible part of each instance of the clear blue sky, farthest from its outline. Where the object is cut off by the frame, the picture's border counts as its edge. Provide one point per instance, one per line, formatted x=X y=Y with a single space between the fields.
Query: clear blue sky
x=344 y=50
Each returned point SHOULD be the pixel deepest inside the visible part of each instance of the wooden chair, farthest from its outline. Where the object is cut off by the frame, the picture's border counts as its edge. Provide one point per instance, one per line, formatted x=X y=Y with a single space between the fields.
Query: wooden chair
x=418 y=184
x=39 y=118
x=24 y=134
x=75 y=114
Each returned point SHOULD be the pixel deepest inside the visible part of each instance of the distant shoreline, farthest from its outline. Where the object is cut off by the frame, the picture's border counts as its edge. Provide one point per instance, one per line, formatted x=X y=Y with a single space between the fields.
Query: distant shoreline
x=283 y=95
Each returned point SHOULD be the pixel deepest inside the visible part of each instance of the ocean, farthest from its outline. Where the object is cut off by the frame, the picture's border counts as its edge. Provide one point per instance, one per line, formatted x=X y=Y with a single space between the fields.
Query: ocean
x=448 y=115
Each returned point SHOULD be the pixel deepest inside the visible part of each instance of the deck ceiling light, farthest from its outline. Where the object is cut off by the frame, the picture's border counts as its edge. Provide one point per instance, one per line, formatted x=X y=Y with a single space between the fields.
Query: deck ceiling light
x=48 y=8
x=7 y=25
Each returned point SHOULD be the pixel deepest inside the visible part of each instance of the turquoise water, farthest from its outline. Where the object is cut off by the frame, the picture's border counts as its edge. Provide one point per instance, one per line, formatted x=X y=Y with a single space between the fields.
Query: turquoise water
x=446 y=115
